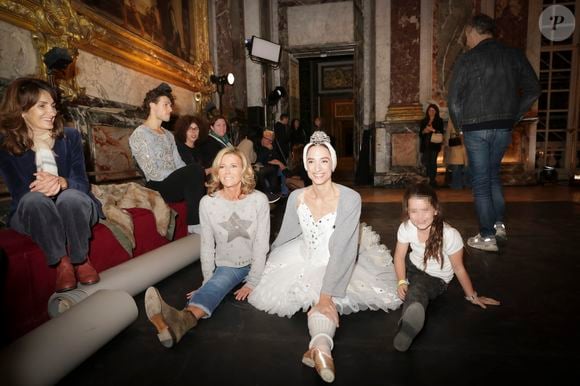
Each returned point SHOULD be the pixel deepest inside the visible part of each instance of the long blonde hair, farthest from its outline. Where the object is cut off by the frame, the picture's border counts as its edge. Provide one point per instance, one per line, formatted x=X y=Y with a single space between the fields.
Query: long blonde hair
x=248 y=180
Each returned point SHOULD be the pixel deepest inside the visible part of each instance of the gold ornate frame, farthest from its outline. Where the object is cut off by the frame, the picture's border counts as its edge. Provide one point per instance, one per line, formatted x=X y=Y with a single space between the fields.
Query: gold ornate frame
x=73 y=25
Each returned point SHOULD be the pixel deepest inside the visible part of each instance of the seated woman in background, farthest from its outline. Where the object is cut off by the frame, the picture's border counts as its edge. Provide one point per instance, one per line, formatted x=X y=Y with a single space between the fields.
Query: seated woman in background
x=156 y=154
x=216 y=140
x=44 y=168
x=235 y=237
x=188 y=133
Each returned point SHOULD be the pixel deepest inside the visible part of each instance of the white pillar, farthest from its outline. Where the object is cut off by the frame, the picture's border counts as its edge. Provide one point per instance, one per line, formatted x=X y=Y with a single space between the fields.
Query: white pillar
x=382 y=59
x=426 y=52
x=252 y=20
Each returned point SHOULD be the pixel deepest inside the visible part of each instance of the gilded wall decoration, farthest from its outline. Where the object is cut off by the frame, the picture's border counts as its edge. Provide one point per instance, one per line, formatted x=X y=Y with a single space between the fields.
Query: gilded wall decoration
x=53 y=24
x=116 y=35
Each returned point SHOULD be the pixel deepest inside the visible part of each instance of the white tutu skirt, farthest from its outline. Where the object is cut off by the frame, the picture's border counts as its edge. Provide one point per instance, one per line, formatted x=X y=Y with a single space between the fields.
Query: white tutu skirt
x=292 y=282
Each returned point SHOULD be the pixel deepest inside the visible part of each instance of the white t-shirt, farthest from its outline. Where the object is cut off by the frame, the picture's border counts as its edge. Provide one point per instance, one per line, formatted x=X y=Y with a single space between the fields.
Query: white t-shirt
x=452 y=242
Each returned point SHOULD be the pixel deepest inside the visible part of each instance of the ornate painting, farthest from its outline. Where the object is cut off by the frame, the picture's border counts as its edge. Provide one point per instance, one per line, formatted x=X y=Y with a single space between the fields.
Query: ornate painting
x=335 y=77
x=163 y=23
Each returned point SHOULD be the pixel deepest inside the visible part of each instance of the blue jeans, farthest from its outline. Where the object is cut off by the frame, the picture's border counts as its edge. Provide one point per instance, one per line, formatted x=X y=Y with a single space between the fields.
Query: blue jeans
x=223 y=280
x=485 y=149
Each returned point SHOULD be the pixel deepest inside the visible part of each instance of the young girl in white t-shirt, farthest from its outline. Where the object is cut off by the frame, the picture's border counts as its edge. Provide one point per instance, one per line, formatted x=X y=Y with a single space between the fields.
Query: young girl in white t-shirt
x=436 y=255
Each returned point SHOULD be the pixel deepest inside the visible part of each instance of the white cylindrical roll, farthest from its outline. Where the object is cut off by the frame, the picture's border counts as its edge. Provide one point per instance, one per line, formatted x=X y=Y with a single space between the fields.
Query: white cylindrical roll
x=135 y=275
x=49 y=352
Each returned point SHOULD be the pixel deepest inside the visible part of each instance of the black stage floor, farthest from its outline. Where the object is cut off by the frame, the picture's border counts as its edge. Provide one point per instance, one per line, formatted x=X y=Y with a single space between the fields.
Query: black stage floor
x=531 y=338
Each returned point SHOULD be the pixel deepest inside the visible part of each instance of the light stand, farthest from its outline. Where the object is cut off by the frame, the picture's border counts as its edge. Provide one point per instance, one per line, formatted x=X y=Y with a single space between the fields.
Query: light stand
x=220 y=82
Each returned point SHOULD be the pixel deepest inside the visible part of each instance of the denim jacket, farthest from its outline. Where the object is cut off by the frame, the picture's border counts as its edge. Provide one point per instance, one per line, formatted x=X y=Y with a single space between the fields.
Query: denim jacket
x=491 y=82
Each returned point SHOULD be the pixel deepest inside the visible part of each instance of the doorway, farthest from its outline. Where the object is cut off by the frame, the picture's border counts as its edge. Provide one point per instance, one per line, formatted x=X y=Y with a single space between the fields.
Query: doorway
x=326 y=91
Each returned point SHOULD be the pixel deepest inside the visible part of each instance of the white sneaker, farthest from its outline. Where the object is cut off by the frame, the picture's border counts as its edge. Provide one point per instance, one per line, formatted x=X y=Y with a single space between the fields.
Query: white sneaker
x=500 y=231
x=484 y=243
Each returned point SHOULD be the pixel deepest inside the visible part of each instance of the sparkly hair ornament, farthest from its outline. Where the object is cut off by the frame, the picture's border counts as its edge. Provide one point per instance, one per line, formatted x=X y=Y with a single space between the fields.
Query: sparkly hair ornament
x=320 y=138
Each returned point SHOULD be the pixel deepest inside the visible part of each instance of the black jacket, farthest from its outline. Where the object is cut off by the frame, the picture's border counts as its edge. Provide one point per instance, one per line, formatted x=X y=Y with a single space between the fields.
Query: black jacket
x=491 y=83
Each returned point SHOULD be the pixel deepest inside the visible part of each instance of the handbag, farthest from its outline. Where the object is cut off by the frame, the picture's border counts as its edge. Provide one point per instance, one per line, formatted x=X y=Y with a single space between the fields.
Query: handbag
x=455 y=141
x=436 y=138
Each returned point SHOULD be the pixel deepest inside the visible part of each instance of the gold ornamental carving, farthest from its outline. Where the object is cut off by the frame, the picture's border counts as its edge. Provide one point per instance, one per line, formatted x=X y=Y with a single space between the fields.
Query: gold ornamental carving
x=119 y=45
x=53 y=23
x=73 y=25
x=404 y=113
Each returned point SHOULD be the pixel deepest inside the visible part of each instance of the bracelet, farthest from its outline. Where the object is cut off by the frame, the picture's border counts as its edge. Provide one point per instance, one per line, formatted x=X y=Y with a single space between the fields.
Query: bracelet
x=472 y=297
x=403 y=281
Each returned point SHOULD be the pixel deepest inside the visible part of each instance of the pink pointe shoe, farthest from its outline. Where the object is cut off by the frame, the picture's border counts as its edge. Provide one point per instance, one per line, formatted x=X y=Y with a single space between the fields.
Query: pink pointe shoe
x=322 y=362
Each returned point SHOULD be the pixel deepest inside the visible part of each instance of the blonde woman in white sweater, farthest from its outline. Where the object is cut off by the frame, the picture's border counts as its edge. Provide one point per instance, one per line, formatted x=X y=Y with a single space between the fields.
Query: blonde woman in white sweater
x=235 y=232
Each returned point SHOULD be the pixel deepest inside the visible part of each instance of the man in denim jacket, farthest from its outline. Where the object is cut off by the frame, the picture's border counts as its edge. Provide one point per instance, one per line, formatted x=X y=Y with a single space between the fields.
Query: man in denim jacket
x=491 y=89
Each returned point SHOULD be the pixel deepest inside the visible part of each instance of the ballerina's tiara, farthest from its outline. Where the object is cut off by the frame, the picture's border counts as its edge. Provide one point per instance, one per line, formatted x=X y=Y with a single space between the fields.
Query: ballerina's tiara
x=319 y=138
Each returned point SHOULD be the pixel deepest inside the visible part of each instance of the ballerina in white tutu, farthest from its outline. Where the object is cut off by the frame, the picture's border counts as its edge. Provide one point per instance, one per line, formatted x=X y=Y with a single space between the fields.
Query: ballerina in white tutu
x=313 y=264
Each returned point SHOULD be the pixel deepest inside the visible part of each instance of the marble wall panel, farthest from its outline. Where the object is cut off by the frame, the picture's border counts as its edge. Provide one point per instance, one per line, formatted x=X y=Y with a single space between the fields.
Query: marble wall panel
x=511 y=18
x=325 y=23
x=404 y=149
x=231 y=52
x=449 y=20
x=17 y=54
x=107 y=80
x=405 y=44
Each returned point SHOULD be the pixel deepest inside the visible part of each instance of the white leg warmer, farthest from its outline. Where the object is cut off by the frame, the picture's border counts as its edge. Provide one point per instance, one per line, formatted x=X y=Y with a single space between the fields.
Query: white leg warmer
x=321 y=332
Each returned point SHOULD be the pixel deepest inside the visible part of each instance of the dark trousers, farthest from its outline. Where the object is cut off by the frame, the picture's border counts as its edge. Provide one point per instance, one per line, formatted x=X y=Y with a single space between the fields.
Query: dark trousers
x=57 y=223
x=268 y=179
x=186 y=183
x=422 y=287
x=429 y=159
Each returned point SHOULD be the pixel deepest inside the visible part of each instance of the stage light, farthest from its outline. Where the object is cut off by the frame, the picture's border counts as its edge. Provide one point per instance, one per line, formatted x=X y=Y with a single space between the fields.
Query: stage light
x=220 y=82
x=275 y=95
x=262 y=50
x=228 y=79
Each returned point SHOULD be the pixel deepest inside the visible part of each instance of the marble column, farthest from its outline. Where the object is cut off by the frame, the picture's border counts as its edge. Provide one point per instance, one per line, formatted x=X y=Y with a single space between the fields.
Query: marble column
x=396 y=140
x=405 y=61
x=231 y=54
x=252 y=19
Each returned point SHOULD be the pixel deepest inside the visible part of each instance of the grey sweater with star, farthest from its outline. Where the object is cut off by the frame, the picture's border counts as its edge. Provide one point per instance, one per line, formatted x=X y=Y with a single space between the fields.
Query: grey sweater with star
x=234 y=234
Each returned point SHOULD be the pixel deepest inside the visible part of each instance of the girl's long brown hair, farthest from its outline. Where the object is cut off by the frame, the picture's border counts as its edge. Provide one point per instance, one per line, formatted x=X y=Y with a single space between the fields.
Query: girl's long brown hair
x=434 y=244
x=19 y=97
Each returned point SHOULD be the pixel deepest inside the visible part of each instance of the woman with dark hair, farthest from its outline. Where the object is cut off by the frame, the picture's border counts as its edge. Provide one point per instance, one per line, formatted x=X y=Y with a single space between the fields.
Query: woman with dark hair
x=43 y=166
x=216 y=140
x=322 y=261
x=430 y=145
x=156 y=153
x=188 y=133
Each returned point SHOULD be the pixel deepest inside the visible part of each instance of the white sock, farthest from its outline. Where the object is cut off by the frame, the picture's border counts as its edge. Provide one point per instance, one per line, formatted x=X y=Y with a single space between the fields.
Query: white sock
x=321 y=331
x=194 y=229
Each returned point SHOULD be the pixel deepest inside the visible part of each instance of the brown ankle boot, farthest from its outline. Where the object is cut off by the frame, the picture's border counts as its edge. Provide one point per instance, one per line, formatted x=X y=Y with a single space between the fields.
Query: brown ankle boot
x=65 y=275
x=170 y=323
x=86 y=274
